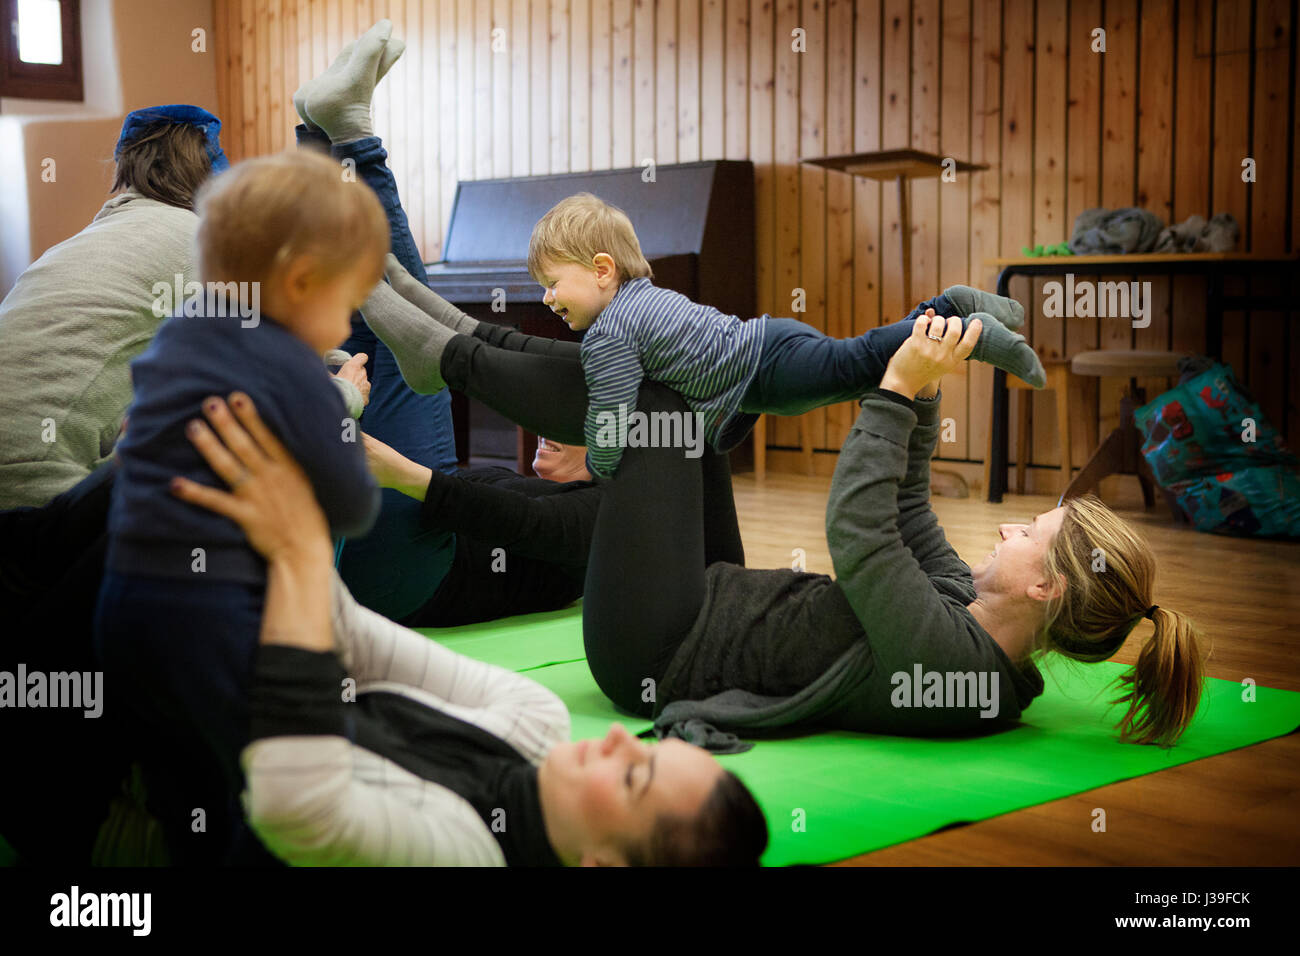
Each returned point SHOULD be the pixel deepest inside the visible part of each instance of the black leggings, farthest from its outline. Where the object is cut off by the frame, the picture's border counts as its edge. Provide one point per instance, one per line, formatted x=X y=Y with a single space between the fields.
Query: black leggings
x=64 y=769
x=663 y=517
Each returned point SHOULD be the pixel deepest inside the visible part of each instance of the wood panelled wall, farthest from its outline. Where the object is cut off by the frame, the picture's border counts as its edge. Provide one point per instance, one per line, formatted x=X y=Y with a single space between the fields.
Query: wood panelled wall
x=1185 y=90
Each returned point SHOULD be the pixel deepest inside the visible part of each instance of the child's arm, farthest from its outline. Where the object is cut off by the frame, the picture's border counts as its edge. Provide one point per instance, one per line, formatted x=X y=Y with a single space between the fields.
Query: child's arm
x=612 y=366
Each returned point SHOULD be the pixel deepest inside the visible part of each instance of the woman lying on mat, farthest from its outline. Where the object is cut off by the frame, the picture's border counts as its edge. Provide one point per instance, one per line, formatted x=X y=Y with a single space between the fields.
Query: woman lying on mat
x=439 y=760
x=906 y=639
x=52 y=564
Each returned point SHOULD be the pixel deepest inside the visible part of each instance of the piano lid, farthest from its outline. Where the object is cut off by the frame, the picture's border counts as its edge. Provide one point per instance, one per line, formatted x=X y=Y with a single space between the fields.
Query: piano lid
x=493 y=219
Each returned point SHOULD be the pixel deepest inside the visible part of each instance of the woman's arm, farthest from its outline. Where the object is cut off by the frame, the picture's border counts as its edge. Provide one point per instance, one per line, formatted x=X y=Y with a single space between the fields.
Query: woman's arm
x=916 y=519
x=917 y=522
x=510 y=705
x=554 y=527
x=892 y=595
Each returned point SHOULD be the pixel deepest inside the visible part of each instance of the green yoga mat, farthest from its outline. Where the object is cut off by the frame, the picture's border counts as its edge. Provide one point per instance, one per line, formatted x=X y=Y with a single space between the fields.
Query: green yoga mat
x=835 y=795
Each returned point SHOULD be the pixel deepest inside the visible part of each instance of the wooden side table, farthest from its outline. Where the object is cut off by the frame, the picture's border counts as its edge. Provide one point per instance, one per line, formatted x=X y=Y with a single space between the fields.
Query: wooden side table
x=900 y=165
x=1214 y=266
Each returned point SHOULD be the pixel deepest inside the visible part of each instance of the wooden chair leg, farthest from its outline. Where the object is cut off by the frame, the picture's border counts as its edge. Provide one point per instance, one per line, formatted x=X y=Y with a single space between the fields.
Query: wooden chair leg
x=1108 y=459
x=1023 y=403
x=1083 y=400
x=760 y=448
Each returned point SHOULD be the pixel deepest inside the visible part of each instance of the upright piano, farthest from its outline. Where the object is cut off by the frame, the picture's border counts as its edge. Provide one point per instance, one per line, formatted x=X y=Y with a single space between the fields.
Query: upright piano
x=695 y=223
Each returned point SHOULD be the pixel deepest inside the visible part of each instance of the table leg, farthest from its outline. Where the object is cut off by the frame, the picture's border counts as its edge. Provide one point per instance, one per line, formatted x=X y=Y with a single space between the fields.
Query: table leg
x=905 y=236
x=998 y=423
x=996 y=467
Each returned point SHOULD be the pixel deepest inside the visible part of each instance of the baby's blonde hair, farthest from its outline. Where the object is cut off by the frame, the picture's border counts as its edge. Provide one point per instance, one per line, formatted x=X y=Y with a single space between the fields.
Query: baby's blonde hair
x=261 y=213
x=1109 y=572
x=577 y=229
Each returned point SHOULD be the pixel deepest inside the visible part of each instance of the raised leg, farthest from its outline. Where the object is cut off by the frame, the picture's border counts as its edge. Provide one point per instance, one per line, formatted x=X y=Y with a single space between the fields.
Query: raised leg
x=645 y=576
x=545 y=394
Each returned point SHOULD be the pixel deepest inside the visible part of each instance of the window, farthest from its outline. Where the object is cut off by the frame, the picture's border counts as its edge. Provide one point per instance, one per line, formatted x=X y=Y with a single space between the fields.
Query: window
x=40 y=49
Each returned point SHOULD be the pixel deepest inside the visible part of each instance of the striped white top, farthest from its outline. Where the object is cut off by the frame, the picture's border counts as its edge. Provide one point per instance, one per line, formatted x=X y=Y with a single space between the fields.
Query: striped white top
x=650 y=333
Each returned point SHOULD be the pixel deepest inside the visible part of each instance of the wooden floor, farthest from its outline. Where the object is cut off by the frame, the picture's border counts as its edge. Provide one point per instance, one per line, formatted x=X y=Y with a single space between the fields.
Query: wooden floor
x=1240 y=808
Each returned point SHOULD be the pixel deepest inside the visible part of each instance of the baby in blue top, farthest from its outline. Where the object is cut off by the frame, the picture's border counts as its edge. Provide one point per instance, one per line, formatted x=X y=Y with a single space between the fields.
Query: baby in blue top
x=586 y=255
x=288 y=249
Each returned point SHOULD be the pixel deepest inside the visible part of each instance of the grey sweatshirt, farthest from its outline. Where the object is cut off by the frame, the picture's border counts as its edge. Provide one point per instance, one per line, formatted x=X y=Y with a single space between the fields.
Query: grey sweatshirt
x=785 y=651
x=68 y=328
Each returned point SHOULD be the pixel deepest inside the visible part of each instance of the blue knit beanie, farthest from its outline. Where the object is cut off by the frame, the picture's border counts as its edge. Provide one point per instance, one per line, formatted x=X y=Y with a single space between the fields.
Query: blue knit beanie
x=138 y=120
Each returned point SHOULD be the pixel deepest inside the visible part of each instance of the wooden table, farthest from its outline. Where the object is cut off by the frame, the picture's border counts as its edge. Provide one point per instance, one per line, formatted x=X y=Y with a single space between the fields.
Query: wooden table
x=1213 y=265
x=900 y=165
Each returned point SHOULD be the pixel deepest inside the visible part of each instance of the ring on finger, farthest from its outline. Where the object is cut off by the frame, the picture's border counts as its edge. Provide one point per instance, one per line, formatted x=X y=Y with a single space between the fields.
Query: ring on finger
x=234 y=485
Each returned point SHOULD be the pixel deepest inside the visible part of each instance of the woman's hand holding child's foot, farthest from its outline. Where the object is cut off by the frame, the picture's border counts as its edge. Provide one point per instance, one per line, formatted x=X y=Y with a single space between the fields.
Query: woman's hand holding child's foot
x=921 y=361
x=1000 y=347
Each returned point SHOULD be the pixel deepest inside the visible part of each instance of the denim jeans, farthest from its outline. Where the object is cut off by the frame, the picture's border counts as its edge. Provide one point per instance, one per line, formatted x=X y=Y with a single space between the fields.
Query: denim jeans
x=398 y=566
x=802 y=368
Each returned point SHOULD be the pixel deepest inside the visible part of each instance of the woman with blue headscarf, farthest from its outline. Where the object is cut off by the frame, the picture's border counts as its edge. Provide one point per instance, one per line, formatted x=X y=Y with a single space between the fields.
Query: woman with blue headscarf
x=78 y=314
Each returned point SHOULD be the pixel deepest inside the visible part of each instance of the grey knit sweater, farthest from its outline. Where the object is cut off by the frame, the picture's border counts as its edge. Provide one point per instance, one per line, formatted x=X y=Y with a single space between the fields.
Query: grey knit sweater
x=68 y=329
x=785 y=651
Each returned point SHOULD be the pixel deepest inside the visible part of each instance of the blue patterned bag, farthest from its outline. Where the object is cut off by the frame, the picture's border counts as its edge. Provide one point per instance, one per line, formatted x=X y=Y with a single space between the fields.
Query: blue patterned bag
x=1211 y=447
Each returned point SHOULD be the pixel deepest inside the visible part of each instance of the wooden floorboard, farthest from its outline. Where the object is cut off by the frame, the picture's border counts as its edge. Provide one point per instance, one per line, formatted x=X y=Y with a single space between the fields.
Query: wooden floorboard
x=1241 y=808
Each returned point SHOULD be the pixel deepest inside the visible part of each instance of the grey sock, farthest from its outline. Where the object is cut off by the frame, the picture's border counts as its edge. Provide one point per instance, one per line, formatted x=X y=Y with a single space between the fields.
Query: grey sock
x=1007 y=350
x=969 y=301
x=303 y=93
x=425 y=299
x=415 y=340
x=339 y=101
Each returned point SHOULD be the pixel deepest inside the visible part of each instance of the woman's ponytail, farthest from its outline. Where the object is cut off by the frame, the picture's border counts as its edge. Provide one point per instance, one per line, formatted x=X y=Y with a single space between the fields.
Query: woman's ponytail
x=1108 y=572
x=1164 y=686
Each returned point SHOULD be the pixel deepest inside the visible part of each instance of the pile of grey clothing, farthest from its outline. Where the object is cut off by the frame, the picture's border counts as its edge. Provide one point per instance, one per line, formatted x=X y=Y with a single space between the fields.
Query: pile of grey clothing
x=1109 y=232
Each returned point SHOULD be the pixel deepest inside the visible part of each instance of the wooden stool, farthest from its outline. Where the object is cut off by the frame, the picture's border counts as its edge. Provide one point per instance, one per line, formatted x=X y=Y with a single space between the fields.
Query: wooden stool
x=1121 y=451
x=1065 y=386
